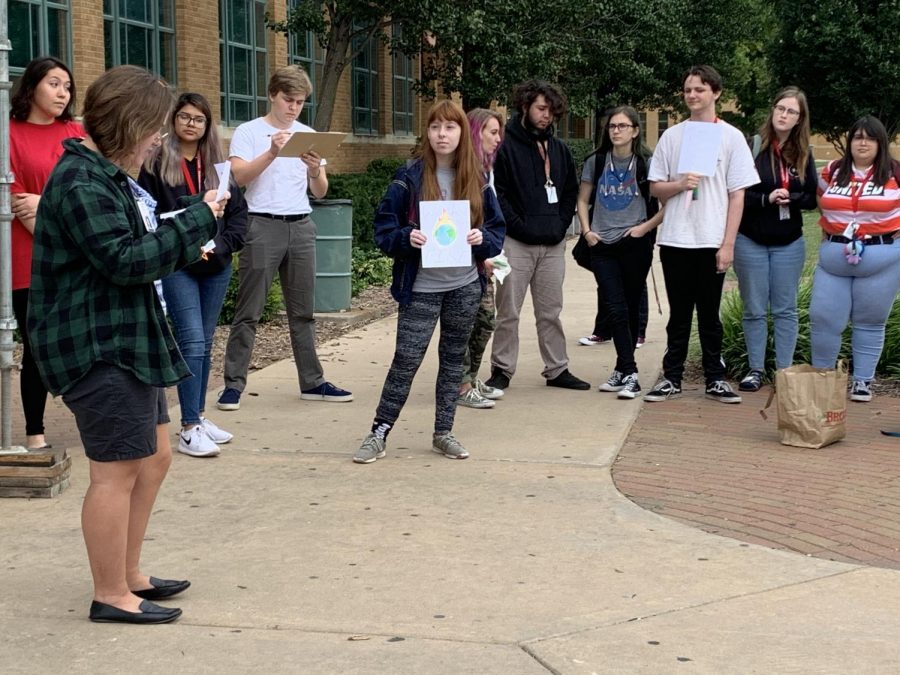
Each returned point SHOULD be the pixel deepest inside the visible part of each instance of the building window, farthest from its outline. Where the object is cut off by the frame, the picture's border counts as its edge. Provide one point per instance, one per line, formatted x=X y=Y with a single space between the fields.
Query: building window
x=364 y=84
x=404 y=96
x=662 y=123
x=244 y=69
x=38 y=28
x=643 y=118
x=140 y=33
x=304 y=50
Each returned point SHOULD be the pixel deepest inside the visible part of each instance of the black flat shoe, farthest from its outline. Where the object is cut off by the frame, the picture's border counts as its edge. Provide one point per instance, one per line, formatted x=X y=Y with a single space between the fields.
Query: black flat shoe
x=162 y=588
x=149 y=613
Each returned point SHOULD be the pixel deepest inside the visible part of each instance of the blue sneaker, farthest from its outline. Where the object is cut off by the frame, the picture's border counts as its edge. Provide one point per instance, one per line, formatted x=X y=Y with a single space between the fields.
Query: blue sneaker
x=326 y=392
x=229 y=400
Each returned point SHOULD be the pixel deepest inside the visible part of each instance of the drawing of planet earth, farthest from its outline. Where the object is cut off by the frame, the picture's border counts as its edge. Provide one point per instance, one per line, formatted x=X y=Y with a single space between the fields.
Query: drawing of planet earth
x=445 y=232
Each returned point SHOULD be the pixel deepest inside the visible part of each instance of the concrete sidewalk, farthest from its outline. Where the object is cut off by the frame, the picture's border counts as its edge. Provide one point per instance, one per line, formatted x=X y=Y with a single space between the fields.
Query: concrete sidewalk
x=522 y=559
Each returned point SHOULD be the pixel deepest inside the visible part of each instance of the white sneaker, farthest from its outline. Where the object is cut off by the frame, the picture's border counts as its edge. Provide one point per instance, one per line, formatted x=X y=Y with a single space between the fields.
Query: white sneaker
x=216 y=434
x=196 y=443
x=490 y=393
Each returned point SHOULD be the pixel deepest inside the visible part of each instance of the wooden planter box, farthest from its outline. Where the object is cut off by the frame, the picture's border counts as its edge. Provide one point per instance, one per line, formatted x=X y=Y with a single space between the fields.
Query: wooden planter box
x=38 y=473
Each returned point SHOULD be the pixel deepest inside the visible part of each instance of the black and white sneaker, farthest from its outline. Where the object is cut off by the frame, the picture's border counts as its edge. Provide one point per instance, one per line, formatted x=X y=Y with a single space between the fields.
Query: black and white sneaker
x=861 y=391
x=630 y=387
x=721 y=391
x=752 y=382
x=664 y=390
x=616 y=382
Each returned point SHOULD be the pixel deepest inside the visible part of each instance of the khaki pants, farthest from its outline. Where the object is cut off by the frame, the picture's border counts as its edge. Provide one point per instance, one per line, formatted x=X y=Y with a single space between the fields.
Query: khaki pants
x=543 y=268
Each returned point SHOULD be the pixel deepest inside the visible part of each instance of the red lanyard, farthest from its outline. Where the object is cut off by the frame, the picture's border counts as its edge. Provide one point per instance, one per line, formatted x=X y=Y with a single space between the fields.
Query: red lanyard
x=545 y=155
x=855 y=195
x=193 y=189
x=782 y=165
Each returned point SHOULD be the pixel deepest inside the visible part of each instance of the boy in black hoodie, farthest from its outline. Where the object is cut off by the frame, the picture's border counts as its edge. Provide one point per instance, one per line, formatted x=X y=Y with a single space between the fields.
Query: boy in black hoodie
x=537 y=188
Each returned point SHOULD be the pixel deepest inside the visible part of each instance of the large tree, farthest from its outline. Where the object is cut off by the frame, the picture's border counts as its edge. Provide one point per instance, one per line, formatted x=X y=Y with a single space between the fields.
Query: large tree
x=844 y=54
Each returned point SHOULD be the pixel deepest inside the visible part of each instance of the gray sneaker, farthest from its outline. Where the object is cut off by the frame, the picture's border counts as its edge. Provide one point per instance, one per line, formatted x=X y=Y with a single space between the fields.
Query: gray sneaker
x=372 y=448
x=448 y=446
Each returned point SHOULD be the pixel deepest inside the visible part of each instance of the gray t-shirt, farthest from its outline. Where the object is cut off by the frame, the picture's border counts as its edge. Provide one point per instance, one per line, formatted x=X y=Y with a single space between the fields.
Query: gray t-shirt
x=441 y=279
x=618 y=204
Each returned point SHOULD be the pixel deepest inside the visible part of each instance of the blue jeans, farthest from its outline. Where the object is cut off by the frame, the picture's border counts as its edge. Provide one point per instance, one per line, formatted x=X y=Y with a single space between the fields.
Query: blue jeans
x=862 y=294
x=768 y=277
x=194 y=304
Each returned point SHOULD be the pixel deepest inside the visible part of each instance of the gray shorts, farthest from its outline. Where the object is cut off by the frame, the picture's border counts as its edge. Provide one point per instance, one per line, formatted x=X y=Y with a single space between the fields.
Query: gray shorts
x=116 y=413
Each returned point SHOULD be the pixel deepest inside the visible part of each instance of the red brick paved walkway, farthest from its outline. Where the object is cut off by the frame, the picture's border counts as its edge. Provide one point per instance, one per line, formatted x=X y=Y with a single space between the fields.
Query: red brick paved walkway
x=721 y=468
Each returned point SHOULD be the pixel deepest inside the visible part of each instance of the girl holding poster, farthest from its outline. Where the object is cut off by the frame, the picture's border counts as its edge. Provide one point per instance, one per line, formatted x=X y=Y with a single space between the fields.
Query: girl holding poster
x=446 y=170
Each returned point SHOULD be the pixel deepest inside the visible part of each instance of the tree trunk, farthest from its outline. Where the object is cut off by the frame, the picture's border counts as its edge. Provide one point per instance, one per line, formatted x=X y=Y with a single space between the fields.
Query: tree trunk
x=335 y=63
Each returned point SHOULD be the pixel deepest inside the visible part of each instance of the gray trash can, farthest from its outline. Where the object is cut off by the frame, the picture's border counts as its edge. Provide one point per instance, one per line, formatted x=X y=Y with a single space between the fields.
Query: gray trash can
x=334 y=253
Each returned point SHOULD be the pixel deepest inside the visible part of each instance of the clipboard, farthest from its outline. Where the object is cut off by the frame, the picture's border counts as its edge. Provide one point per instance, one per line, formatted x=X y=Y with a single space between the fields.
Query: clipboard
x=324 y=143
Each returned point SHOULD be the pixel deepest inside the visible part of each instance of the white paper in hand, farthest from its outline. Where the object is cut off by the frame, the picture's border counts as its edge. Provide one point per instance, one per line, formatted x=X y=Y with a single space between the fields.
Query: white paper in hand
x=223 y=170
x=446 y=225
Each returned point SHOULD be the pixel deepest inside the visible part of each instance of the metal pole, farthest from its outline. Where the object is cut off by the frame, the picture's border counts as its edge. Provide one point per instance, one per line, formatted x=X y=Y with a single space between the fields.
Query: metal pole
x=7 y=317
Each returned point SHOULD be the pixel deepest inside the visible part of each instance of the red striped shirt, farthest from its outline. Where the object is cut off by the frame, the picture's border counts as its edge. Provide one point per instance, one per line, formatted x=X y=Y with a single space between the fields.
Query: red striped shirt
x=877 y=212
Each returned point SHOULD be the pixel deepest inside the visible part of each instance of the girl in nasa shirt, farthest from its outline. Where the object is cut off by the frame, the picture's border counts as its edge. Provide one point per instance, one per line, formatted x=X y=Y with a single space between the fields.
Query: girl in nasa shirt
x=858 y=275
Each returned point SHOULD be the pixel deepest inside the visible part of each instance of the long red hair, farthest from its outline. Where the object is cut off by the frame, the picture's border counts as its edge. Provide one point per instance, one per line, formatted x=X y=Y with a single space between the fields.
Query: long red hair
x=469 y=181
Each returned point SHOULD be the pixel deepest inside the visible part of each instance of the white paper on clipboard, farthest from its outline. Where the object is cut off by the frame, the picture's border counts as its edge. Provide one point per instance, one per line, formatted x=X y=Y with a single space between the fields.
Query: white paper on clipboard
x=700 y=145
x=325 y=143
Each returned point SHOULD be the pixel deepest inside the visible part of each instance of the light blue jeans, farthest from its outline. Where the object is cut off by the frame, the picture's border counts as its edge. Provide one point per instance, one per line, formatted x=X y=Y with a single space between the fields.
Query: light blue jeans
x=862 y=294
x=194 y=304
x=768 y=278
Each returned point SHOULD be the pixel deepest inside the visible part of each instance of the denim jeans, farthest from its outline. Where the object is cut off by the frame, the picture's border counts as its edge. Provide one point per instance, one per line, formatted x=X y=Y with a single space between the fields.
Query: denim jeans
x=768 y=278
x=194 y=304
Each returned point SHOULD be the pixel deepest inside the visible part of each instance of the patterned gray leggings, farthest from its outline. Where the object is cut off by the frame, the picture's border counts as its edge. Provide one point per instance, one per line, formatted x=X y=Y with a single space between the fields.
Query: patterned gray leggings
x=415 y=325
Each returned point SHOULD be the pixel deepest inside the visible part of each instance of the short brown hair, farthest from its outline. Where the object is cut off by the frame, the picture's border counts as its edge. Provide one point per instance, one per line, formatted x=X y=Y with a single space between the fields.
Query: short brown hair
x=290 y=80
x=124 y=106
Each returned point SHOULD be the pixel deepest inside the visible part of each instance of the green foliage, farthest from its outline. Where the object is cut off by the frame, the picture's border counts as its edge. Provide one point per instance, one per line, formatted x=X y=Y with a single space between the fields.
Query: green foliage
x=274 y=300
x=734 y=350
x=844 y=54
x=580 y=149
x=370 y=268
x=365 y=190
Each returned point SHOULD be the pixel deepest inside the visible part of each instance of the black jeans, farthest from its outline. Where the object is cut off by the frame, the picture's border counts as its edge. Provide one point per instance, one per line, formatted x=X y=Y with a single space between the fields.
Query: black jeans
x=31 y=387
x=621 y=273
x=692 y=281
x=603 y=324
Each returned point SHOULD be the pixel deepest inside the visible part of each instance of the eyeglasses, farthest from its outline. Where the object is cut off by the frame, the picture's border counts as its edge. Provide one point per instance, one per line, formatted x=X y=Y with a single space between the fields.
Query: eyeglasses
x=619 y=127
x=198 y=120
x=781 y=110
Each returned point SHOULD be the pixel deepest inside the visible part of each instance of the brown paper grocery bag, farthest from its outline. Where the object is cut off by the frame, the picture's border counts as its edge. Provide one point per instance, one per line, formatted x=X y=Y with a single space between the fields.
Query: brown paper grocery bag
x=812 y=405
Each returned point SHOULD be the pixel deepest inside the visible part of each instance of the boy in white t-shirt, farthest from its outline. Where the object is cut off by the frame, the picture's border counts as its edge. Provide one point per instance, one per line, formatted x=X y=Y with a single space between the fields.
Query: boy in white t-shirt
x=280 y=238
x=696 y=239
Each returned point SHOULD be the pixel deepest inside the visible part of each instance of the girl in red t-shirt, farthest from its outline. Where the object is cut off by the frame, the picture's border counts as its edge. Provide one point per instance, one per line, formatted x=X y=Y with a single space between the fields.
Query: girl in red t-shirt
x=41 y=118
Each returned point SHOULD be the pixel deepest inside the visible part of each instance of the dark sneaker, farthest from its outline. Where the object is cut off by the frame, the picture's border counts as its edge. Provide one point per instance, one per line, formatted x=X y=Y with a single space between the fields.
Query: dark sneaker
x=664 y=390
x=616 y=382
x=229 y=400
x=326 y=392
x=861 y=391
x=372 y=448
x=630 y=387
x=498 y=380
x=591 y=340
x=566 y=380
x=752 y=382
x=641 y=341
x=448 y=446
x=721 y=391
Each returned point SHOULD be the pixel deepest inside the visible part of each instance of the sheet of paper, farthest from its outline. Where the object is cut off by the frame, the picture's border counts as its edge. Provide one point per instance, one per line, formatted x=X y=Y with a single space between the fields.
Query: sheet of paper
x=170 y=214
x=224 y=172
x=446 y=225
x=700 y=146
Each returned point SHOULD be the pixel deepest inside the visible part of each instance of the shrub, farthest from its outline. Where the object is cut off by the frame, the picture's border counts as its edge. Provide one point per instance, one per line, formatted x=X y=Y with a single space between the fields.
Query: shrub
x=365 y=190
x=274 y=300
x=370 y=268
x=580 y=149
x=734 y=350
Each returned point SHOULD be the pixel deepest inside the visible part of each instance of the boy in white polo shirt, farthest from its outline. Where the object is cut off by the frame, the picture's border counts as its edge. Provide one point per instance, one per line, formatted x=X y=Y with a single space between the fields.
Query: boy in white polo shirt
x=696 y=239
x=280 y=238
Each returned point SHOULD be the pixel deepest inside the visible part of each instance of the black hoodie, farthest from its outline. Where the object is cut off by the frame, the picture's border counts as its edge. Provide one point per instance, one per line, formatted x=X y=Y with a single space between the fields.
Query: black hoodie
x=520 y=178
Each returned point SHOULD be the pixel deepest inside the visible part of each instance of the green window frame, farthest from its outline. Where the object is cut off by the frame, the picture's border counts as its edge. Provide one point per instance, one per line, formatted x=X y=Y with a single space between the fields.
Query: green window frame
x=364 y=87
x=38 y=28
x=244 y=60
x=304 y=50
x=140 y=33
x=404 y=97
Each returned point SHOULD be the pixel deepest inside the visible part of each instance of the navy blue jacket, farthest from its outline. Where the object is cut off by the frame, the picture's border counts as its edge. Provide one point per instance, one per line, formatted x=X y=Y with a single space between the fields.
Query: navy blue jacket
x=398 y=215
